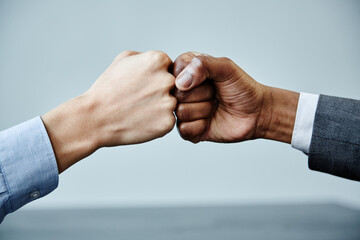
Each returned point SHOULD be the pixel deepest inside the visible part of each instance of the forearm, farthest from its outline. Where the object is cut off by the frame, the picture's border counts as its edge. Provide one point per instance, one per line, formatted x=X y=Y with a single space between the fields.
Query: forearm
x=277 y=117
x=71 y=130
x=126 y=105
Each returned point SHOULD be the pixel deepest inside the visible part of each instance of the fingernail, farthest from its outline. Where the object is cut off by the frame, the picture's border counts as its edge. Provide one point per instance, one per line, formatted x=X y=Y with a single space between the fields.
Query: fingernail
x=185 y=79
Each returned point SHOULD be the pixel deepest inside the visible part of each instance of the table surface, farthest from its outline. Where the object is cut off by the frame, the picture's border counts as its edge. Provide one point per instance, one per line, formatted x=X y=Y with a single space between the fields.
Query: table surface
x=311 y=221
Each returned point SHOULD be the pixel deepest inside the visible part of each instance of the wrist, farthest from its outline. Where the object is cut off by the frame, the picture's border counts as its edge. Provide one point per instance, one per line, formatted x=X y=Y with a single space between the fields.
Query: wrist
x=277 y=116
x=71 y=131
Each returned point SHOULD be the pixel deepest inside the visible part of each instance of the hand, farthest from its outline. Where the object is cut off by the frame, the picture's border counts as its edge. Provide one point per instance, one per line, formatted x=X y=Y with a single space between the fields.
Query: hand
x=133 y=99
x=220 y=102
x=129 y=103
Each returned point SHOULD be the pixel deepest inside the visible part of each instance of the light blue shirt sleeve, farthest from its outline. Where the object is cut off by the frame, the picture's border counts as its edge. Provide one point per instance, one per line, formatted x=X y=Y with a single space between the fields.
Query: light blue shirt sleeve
x=28 y=168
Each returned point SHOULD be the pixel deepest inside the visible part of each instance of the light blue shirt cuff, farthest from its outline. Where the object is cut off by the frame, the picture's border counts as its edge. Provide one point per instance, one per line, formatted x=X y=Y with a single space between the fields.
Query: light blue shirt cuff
x=28 y=168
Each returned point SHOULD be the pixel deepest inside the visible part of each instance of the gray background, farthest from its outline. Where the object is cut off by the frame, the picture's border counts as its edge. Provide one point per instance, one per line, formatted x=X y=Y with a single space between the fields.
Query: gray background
x=51 y=51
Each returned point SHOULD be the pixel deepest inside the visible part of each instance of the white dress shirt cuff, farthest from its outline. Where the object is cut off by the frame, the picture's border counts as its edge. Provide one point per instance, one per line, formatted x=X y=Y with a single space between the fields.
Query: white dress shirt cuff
x=304 y=122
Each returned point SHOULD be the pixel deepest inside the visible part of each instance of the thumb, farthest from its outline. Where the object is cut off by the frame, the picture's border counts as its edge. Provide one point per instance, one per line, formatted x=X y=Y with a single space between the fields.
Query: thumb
x=200 y=68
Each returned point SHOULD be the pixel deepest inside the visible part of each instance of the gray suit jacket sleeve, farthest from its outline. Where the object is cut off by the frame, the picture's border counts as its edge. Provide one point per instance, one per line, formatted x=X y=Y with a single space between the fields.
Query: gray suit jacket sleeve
x=335 y=142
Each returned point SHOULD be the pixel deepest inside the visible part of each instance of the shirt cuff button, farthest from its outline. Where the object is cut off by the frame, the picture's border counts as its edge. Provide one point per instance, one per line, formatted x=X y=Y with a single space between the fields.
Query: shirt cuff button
x=34 y=195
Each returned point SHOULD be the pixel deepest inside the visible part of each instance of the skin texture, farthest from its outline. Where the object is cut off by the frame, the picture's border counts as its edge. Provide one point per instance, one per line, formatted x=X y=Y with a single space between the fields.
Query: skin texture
x=220 y=102
x=129 y=103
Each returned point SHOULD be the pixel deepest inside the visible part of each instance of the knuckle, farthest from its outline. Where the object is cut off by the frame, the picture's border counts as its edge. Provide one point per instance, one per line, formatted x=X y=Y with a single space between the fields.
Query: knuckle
x=188 y=56
x=184 y=131
x=226 y=60
x=170 y=81
x=173 y=103
x=182 y=113
x=179 y=95
x=150 y=52
x=200 y=67
x=156 y=53
x=127 y=53
x=170 y=104
x=166 y=84
x=123 y=54
x=160 y=57
x=181 y=62
x=169 y=123
x=194 y=140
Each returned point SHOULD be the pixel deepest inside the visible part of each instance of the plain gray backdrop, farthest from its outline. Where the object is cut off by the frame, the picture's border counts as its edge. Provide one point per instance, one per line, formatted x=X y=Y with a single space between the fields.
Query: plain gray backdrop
x=51 y=51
